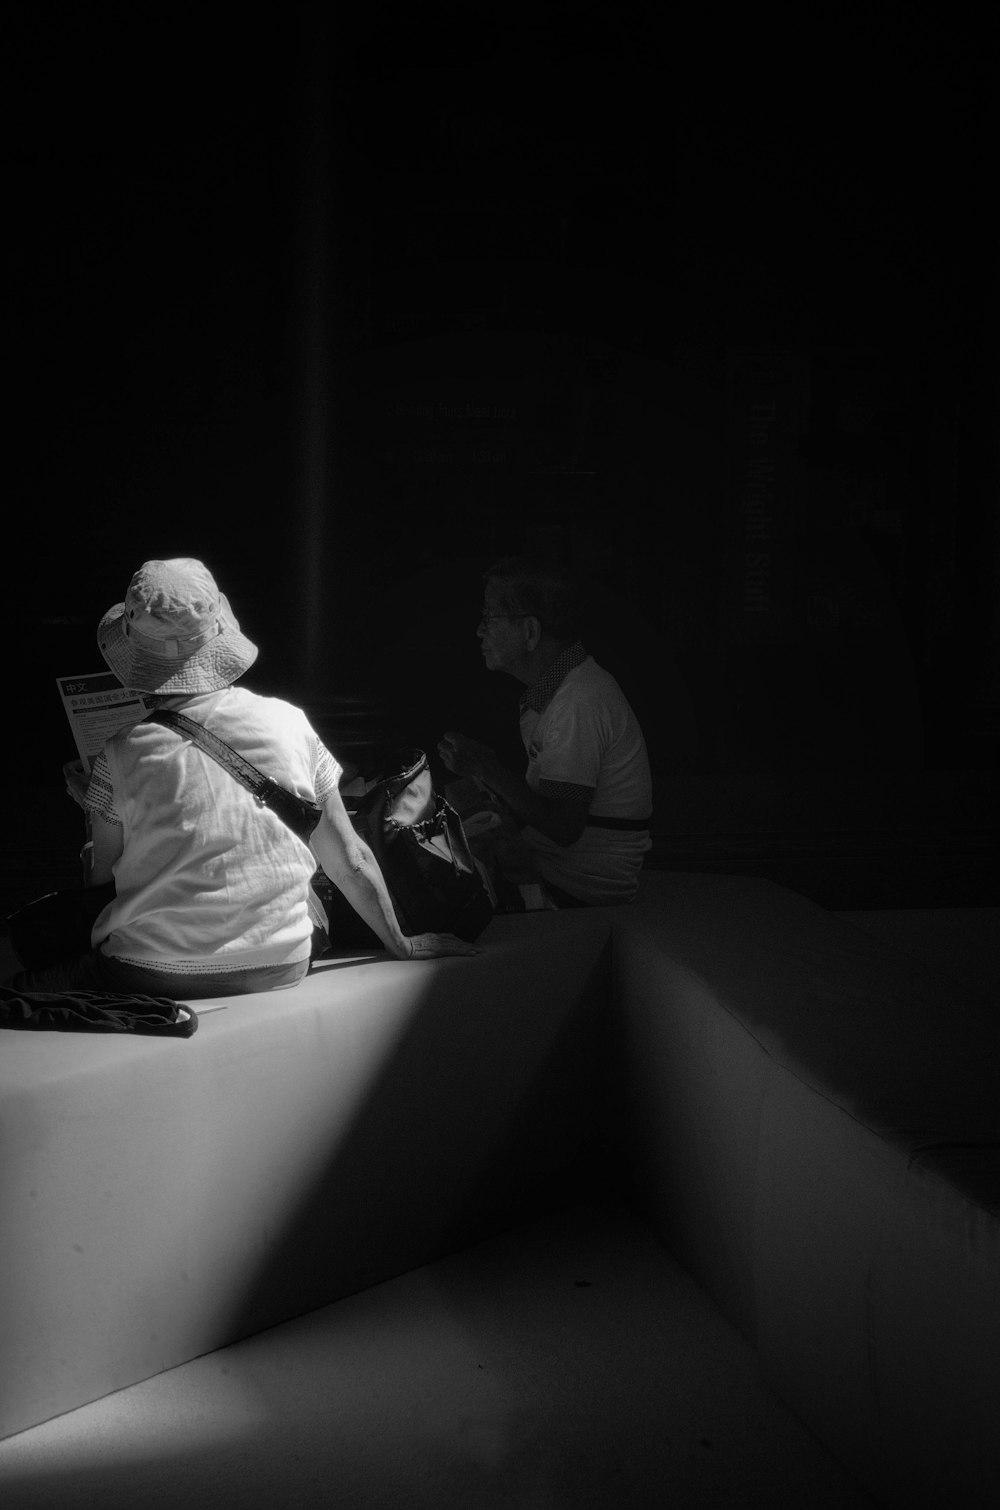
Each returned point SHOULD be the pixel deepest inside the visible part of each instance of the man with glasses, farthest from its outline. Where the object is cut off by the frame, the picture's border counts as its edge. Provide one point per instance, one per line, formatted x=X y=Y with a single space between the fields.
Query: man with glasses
x=578 y=820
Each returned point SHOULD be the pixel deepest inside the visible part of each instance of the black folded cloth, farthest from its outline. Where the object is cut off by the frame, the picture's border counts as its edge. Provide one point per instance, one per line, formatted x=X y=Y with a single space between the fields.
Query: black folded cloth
x=95 y=1012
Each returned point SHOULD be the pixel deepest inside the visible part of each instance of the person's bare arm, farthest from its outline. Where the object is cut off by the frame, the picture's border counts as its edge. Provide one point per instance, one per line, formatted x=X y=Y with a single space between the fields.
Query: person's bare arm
x=353 y=869
x=561 y=817
x=107 y=841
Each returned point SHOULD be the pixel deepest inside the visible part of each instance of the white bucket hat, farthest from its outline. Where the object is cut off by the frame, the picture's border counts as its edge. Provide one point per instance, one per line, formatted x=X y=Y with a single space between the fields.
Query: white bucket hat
x=175 y=632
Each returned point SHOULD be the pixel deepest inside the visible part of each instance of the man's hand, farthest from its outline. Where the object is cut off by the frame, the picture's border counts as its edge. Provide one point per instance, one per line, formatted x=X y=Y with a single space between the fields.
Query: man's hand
x=467 y=757
x=560 y=815
x=432 y=945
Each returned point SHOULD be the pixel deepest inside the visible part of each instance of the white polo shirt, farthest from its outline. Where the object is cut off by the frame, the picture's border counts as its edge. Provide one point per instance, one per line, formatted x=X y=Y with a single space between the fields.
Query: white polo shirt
x=583 y=733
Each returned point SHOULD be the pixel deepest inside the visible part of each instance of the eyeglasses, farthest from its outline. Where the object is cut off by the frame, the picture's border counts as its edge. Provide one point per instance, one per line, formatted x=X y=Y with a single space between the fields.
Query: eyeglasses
x=487 y=618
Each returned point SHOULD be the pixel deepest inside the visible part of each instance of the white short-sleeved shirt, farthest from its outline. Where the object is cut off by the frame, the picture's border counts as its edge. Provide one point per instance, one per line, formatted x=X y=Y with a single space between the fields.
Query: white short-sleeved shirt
x=207 y=879
x=587 y=736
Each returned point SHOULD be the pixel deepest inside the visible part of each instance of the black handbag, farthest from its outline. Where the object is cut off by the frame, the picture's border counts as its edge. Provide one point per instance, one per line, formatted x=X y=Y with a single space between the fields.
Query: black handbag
x=420 y=845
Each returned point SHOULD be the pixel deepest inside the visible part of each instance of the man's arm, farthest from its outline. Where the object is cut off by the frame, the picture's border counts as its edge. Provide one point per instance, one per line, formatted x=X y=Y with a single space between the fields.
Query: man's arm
x=560 y=815
x=353 y=869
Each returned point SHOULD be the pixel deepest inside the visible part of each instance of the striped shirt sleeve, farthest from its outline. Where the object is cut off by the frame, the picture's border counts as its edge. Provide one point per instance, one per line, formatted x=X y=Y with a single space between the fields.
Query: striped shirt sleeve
x=100 y=795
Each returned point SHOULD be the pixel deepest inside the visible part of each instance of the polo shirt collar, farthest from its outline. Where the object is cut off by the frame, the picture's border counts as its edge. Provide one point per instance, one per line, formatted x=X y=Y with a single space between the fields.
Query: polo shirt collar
x=540 y=693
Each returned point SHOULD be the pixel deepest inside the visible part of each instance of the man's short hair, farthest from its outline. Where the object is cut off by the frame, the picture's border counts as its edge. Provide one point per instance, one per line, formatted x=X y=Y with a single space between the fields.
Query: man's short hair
x=532 y=585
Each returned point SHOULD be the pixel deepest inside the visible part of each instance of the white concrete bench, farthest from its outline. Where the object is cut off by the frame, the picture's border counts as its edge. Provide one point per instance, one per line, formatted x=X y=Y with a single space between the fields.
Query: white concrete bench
x=809 y=1117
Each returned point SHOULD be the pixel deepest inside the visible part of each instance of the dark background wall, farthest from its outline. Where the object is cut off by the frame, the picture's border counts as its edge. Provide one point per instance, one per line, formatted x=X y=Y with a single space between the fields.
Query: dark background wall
x=349 y=306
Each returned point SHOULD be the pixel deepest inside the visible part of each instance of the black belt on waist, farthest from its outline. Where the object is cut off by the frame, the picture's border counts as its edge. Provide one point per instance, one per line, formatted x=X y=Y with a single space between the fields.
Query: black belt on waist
x=626 y=825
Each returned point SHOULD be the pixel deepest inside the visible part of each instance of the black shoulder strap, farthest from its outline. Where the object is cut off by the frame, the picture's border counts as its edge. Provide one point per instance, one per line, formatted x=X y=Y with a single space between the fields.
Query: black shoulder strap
x=300 y=815
x=246 y=774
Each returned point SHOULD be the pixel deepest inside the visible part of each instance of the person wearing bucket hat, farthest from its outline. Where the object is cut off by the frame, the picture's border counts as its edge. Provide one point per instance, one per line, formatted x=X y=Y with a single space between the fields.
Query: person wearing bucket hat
x=175 y=632
x=211 y=891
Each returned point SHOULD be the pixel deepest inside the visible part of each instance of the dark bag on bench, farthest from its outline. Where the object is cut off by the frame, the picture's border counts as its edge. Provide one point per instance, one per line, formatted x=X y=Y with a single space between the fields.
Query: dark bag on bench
x=419 y=841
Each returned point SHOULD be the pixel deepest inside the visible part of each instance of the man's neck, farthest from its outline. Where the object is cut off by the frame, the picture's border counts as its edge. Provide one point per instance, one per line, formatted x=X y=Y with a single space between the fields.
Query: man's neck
x=538 y=661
